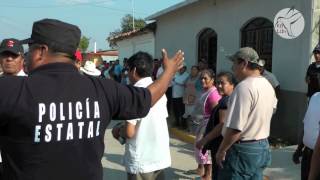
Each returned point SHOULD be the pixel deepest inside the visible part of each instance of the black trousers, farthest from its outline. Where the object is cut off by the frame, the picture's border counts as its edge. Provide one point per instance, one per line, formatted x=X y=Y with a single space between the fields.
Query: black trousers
x=178 y=111
x=1 y=171
x=155 y=175
x=169 y=100
x=306 y=162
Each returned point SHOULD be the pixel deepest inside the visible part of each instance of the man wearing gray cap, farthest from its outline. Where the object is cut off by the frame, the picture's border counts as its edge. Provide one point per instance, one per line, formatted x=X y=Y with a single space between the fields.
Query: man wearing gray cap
x=244 y=152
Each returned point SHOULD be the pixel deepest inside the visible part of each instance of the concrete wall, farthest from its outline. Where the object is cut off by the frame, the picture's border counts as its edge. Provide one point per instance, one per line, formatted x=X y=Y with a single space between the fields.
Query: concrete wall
x=180 y=29
x=128 y=47
x=286 y=124
x=315 y=11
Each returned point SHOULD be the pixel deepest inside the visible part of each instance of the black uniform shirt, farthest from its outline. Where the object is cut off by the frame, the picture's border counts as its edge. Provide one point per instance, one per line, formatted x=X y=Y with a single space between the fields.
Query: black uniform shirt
x=52 y=123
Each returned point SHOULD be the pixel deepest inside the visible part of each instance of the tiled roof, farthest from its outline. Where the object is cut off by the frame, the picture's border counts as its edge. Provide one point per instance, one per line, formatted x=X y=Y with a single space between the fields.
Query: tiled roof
x=148 y=28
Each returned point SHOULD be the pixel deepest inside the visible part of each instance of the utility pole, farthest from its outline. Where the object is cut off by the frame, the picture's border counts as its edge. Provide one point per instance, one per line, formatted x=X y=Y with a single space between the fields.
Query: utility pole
x=132 y=4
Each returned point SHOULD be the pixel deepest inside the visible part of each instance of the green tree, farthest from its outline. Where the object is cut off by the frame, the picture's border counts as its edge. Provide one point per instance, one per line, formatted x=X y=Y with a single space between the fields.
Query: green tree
x=127 y=23
x=113 y=34
x=126 y=26
x=84 y=43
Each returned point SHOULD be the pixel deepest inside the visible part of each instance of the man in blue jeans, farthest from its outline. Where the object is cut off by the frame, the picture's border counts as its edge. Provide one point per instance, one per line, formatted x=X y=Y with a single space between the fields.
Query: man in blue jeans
x=244 y=152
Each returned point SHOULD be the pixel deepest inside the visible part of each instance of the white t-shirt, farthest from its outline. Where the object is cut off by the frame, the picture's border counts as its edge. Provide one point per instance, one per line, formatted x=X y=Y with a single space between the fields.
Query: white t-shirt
x=178 y=84
x=271 y=78
x=250 y=108
x=21 y=73
x=149 y=149
x=311 y=122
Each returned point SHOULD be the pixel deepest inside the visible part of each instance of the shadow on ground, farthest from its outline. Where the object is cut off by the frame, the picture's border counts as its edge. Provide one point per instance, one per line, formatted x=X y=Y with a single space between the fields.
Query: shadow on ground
x=185 y=148
x=170 y=173
x=114 y=158
x=112 y=172
x=282 y=167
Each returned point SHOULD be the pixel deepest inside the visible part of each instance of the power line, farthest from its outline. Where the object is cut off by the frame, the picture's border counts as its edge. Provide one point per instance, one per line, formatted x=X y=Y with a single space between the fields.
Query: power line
x=92 y=4
x=95 y=4
x=53 y=6
x=119 y=10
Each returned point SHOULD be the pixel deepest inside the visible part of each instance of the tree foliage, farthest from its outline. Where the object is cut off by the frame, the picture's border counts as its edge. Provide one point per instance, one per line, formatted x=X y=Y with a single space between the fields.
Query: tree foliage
x=126 y=26
x=115 y=33
x=127 y=23
x=84 y=43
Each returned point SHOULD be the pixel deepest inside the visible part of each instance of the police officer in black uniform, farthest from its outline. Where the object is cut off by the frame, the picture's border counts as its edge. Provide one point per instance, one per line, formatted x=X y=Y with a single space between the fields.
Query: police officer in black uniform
x=11 y=61
x=313 y=73
x=52 y=123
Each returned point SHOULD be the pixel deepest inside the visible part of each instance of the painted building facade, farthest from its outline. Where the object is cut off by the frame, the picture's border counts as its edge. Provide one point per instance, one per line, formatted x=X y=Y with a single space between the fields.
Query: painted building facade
x=213 y=29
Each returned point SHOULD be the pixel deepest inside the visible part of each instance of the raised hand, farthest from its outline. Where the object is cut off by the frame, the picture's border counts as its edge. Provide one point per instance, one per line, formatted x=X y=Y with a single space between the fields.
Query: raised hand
x=173 y=64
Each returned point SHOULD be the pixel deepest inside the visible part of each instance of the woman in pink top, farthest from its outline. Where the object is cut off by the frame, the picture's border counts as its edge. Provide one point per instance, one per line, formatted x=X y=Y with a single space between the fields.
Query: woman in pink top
x=208 y=100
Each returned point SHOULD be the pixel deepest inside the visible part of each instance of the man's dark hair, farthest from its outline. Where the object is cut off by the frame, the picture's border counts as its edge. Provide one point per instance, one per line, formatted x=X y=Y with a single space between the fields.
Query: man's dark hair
x=125 y=60
x=143 y=62
x=195 y=66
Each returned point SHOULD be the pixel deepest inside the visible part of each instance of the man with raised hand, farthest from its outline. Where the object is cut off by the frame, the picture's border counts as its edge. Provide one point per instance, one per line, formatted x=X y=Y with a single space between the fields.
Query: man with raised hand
x=52 y=123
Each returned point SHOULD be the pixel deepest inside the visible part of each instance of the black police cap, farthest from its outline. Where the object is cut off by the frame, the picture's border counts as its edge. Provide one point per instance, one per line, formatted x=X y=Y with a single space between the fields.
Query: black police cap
x=59 y=36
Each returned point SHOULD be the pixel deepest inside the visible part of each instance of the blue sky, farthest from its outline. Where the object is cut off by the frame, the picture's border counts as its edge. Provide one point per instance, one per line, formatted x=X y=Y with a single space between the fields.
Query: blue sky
x=96 y=18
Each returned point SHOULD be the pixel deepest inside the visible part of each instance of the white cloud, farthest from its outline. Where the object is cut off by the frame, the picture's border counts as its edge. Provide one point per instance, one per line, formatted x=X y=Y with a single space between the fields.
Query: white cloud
x=107 y=3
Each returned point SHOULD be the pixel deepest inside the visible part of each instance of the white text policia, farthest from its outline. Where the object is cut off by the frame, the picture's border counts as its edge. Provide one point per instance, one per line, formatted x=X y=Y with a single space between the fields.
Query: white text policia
x=57 y=121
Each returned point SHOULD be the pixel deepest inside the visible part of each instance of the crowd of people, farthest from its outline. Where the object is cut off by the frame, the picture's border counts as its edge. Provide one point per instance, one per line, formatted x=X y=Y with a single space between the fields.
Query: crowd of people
x=55 y=108
x=52 y=122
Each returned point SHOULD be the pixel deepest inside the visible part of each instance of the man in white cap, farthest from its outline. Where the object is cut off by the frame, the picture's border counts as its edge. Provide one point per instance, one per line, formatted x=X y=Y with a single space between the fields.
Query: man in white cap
x=90 y=69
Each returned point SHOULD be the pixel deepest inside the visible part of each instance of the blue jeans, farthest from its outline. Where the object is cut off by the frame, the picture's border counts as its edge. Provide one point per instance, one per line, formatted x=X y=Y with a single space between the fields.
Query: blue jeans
x=246 y=161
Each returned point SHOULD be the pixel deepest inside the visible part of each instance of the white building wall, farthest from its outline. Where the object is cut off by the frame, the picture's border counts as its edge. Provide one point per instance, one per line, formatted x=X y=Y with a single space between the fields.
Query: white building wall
x=144 y=42
x=179 y=30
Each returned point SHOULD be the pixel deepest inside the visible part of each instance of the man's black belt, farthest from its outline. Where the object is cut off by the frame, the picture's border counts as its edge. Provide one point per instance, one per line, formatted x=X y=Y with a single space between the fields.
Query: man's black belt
x=248 y=141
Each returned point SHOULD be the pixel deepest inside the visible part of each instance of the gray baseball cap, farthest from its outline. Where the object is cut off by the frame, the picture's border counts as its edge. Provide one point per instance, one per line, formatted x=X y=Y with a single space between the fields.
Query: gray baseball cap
x=247 y=54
